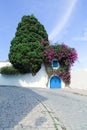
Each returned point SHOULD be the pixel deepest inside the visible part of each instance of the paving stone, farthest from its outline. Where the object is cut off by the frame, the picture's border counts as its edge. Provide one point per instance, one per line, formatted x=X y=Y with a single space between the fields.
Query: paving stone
x=70 y=106
x=20 y=110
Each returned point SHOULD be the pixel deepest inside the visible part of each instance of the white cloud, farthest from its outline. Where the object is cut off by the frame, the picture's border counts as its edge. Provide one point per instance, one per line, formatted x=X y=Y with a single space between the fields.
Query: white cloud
x=58 y=28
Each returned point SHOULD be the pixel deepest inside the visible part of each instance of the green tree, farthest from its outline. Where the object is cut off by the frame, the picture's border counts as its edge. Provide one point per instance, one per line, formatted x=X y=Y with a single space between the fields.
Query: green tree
x=26 y=52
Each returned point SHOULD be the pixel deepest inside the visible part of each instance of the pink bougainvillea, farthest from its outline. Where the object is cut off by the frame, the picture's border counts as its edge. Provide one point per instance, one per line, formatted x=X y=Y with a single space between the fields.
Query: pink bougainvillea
x=66 y=57
x=65 y=76
x=65 y=54
x=49 y=55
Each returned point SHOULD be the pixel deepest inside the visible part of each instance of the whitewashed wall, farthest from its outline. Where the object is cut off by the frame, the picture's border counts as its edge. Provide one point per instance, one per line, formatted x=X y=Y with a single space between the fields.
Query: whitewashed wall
x=3 y=64
x=79 y=79
x=27 y=80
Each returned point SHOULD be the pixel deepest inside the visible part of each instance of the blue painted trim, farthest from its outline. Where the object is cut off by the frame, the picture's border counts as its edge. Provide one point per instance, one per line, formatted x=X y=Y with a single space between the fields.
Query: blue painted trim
x=55 y=64
x=55 y=82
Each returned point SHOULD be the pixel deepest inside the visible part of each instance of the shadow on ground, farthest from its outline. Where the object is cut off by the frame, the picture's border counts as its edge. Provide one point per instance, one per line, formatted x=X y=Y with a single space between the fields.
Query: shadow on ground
x=15 y=104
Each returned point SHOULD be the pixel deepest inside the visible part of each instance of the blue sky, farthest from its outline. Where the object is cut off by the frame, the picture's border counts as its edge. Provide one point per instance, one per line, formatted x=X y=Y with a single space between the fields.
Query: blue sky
x=64 y=20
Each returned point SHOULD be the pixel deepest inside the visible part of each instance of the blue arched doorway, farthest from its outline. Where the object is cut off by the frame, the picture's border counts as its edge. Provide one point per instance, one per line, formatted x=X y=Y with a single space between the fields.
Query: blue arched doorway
x=55 y=82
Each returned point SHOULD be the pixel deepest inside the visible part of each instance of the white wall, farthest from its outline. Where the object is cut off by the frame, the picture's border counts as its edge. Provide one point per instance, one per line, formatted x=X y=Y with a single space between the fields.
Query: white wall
x=27 y=80
x=3 y=64
x=79 y=79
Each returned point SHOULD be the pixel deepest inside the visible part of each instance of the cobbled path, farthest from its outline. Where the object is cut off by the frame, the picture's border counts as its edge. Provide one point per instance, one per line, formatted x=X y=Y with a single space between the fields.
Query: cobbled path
x=20 y=110
x=69 y=108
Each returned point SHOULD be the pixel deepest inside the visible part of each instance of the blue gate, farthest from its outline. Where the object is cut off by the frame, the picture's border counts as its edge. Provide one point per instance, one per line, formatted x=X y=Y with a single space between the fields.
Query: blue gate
x=55 y=82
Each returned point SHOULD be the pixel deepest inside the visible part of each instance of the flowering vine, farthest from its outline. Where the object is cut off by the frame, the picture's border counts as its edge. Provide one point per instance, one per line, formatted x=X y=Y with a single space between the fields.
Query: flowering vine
x=66 y=57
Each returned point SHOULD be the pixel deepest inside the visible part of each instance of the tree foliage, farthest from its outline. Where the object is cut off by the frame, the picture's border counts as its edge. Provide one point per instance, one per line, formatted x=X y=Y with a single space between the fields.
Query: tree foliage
x=26 y=53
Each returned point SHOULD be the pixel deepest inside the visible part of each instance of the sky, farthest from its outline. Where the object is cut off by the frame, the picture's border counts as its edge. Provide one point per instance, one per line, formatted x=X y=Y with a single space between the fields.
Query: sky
x=64 y=20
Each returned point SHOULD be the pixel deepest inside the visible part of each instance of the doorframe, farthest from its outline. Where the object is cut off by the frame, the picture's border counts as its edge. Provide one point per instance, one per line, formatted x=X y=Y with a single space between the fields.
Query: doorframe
x=62 y=83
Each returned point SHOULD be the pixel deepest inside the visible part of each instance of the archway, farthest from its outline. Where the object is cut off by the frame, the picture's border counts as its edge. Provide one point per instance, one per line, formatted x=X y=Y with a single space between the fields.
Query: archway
x=55 y=82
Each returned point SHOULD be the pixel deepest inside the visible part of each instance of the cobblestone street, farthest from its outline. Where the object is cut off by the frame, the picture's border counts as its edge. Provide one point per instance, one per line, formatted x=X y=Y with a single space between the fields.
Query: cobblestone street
x=20 y=110
x=42 y=109
x=69 y=107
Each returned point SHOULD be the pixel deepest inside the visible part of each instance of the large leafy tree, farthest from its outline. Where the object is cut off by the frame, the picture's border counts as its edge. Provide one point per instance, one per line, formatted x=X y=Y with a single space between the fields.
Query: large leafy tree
x=26 y=52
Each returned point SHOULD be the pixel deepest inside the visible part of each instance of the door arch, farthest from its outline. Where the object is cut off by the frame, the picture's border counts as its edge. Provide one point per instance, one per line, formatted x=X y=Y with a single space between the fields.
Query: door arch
x=55 y=82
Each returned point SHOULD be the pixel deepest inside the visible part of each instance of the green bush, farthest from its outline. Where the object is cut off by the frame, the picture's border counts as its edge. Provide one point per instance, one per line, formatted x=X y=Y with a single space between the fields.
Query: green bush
x=9 y=70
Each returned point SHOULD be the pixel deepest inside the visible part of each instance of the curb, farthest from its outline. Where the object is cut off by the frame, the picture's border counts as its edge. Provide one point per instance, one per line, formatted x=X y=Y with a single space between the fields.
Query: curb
x=56 y=122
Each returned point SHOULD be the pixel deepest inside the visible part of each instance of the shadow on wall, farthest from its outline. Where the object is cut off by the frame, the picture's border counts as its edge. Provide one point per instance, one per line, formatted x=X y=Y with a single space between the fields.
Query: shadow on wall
x=15 y=104
x=27 y=80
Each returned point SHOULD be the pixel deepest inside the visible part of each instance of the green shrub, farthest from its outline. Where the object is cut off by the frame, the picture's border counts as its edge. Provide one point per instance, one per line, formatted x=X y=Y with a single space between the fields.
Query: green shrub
x=9 y=70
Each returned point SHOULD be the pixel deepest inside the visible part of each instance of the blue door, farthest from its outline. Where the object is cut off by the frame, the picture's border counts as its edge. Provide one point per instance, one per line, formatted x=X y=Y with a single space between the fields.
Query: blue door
x=55 y=82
